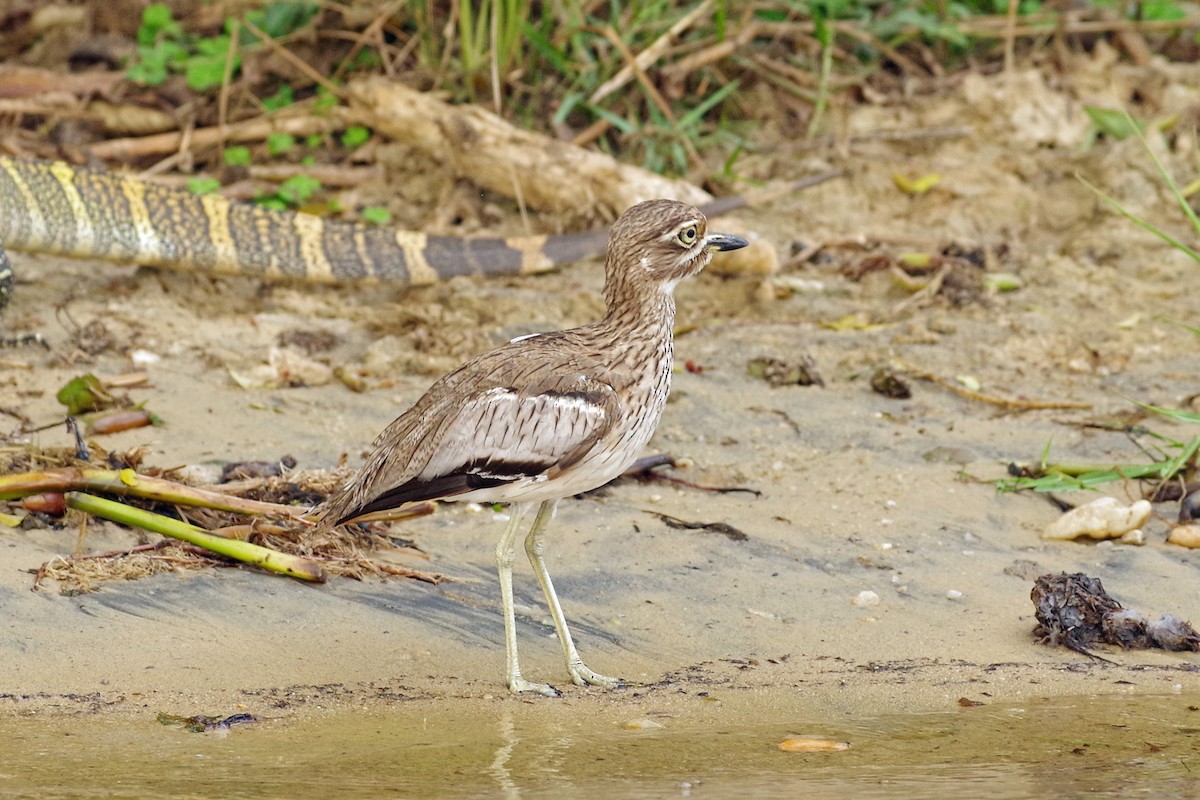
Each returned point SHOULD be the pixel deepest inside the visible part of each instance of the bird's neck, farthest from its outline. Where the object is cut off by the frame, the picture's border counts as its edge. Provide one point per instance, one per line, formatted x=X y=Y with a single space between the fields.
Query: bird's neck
x=636 y=332
x=646 y=312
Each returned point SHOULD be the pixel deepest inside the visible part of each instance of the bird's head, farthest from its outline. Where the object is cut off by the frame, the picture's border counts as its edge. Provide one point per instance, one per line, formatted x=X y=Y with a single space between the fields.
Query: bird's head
x=662 y=242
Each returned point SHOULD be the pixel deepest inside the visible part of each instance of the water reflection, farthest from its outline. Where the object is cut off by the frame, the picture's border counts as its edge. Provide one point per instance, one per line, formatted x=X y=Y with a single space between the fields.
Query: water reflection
x=1108 y=747
x=499 y=767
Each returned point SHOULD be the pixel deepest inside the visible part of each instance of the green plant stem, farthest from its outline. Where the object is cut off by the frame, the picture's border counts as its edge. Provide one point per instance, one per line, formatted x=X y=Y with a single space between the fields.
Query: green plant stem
x=262 y=557
x=825 y=35
x=1079 y=470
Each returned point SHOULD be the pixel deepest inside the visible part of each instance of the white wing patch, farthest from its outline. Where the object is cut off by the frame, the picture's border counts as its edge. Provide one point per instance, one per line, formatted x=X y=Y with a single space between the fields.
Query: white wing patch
x=523 y=337
x=505 y=428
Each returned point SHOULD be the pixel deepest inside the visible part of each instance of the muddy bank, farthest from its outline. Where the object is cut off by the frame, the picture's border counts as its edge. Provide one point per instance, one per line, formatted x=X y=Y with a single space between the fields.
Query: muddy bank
x=860 y=493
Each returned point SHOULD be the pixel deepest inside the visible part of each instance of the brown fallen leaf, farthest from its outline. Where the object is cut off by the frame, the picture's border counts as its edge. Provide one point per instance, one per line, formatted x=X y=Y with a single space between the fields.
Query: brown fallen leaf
x=811 y=744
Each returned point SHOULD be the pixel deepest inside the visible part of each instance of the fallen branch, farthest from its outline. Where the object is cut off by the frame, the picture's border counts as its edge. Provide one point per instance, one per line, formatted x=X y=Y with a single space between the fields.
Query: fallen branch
x=128 y=483
x=482 y=147
x=254 y=130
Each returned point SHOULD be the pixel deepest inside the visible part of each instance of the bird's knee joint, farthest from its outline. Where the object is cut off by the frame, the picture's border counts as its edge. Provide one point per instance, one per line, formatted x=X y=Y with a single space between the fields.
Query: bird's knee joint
x=534 y=546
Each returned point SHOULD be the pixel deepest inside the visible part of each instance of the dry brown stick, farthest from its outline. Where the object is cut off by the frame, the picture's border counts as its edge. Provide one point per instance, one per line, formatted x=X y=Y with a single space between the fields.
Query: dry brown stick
x=650 y=54
x=591 y=133
x=769 y=72
x=997 y=27
x=922 y=295
x=970 y=394
x=373 y=35
x=434 y=578
x=295 y=60
x=631 y=62
x=252 y=130
x=675 y=73
x=1010 y=38
x=907 y=134
x=1134 y=43
x=226 y=82
x=800 y=77
x=895 y=56
x=42 y=108
x=330 y=175
x=129 y=483
x=648 y=85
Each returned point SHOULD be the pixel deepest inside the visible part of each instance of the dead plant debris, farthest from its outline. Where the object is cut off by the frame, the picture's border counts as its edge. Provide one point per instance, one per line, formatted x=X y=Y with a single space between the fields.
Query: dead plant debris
x=890 y=384
x=357 y=553
x=1076 y=612
x=800 y=371
x=647 y=468
x=725 y=529
x=202 y=723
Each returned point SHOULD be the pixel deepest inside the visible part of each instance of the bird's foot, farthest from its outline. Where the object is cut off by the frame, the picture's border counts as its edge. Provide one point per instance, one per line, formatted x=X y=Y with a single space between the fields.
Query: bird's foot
x=582 y=676
x=518 y=685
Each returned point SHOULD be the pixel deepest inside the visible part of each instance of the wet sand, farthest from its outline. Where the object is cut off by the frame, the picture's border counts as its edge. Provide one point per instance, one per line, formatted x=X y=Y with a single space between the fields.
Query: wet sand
x=858 y=492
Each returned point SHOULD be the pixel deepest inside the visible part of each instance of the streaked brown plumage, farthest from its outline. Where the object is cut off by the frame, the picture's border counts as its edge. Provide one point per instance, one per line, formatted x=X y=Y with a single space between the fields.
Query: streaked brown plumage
x=550 y=415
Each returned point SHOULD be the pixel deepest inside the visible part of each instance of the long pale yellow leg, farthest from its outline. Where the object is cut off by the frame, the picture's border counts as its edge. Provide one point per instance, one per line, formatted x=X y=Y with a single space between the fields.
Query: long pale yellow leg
x=580 y=674
x=505 y=556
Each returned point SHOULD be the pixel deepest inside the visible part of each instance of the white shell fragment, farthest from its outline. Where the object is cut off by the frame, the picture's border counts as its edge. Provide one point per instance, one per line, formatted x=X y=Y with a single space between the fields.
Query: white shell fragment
x=865 y=599
x=1105 y=518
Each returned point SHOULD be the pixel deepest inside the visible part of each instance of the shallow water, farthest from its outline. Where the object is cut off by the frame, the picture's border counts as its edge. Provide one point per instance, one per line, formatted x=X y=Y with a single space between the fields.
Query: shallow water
x=1099 y=746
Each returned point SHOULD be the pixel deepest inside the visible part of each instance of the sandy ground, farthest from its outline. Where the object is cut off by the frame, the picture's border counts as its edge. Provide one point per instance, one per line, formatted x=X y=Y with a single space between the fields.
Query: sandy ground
x=858 y=492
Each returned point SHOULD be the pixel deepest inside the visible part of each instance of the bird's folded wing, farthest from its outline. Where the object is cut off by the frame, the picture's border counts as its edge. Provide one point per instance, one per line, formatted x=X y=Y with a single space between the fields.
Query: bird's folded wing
x=510 y=434
x=495 y=437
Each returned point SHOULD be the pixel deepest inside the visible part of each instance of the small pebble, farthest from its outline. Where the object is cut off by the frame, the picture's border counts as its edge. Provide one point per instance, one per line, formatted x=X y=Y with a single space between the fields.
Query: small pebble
x=144 y=358
x=953 y=594
x=865 y=599
x=1185 y=535
x=641 y=725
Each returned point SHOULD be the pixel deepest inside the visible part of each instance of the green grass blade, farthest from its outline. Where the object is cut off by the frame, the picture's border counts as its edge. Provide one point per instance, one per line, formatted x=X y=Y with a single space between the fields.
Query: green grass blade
x=1170 y=413
x=1166 y=176
x=695 y=115
x=1166 y=237
x=621 y=124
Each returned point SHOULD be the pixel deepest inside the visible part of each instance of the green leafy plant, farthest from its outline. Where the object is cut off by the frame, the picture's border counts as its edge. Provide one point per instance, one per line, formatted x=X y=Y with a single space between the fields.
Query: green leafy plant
x=199 y=184
x=284 y=96
x=376 y=215
x=279 y=143
x=355 y=136
x=164 y=48
x=236 y=156
x=1168 y=459
x=292 y=193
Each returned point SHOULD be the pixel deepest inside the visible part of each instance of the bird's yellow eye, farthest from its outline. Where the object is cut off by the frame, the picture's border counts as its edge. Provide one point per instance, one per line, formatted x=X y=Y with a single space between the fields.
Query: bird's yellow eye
x=687 y=236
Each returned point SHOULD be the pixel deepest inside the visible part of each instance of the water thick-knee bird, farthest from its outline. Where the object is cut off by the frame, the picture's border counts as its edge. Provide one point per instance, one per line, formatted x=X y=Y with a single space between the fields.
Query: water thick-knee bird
x=550 y=415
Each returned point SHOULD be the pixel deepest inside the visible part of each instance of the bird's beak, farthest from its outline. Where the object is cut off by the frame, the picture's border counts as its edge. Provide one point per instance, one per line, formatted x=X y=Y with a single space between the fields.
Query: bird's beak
x=724 y=241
